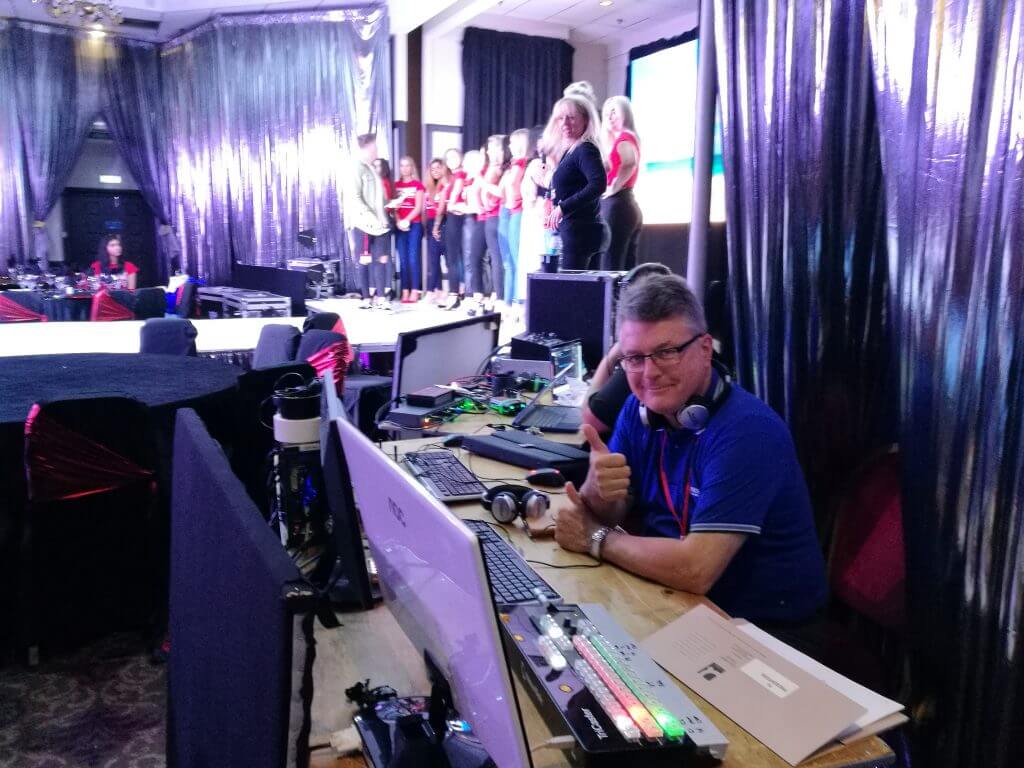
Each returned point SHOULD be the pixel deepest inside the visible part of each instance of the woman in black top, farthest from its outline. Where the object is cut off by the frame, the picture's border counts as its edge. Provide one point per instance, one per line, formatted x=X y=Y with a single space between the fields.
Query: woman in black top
x=578 y=183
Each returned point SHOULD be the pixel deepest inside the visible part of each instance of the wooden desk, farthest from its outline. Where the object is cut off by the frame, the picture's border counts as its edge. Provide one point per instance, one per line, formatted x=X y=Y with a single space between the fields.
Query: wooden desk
x=372 y=645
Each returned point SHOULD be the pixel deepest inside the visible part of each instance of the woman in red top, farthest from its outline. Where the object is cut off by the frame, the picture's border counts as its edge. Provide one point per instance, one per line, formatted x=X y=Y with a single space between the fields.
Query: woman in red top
x=383 y=169
x=510 y=217
x=451 y=211
x=108 y=262
x=409 y=193
x=618 y=205
x=491 y=195
x=437 y=179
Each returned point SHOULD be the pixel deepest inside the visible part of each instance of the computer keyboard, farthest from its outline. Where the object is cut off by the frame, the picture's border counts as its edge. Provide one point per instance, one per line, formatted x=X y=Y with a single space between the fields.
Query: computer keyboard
x=513 y=581
x=441 y=473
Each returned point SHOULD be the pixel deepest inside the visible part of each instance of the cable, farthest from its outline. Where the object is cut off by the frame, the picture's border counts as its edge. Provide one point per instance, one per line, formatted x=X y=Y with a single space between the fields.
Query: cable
x=564 y=567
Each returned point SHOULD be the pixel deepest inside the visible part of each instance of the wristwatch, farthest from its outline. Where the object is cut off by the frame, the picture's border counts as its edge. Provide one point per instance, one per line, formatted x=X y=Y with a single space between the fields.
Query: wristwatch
x=597 y=541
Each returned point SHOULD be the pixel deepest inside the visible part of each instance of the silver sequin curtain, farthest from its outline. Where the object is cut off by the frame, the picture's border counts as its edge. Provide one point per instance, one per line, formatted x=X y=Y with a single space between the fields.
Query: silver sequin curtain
x=13 y=205
x=808 y=272
x=950 y=83
x=263 y=111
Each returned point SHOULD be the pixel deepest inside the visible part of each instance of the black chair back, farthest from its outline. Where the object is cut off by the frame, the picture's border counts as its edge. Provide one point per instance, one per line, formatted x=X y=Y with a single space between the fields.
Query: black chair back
x=187 y=305
x=150 y=302
x=276 y=345
x=315 y=340
x=168 y=336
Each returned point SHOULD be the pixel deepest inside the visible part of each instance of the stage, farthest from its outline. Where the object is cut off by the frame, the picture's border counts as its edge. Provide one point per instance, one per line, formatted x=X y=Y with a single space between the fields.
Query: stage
x=369 y=330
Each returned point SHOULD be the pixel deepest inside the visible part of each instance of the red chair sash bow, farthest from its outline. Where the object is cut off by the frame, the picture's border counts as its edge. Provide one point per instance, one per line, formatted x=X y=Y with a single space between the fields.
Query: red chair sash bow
x=106 y=308
x=334 y=358
x=13 y=312
x=63 y=464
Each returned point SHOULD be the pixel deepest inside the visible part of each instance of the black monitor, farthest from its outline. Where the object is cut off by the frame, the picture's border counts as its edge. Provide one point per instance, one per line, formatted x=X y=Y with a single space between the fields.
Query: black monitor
x=343 y=565
x=444 y=353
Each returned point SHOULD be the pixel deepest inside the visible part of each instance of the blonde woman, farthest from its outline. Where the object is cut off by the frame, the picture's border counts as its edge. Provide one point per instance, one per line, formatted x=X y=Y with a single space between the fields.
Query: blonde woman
x=618 y=205
x=578 y=183
x=436 y=181
x=409 y=194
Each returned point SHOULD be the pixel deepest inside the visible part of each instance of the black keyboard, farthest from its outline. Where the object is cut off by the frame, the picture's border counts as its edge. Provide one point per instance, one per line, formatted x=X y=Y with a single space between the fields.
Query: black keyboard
x=513 y=581
x=441 y=473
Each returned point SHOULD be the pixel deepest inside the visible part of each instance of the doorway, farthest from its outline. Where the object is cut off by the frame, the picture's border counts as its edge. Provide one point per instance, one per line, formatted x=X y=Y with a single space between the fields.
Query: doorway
x=89 y=214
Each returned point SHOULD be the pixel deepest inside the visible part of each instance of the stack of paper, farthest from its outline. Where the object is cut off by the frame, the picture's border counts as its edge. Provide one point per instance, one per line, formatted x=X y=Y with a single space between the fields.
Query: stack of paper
x=785 y=699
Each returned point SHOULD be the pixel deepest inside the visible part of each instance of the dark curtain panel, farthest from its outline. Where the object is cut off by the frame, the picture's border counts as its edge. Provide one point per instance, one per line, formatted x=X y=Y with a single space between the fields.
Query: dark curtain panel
x=132 y=102
x=804 y=219
x=57 y=97
x=263 y=111
x=511 y=81
x=13 y=206
x=950 y=83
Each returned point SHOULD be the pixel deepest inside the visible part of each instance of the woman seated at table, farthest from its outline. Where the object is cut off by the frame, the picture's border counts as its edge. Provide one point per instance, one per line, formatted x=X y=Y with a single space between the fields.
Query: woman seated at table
x=109 y=262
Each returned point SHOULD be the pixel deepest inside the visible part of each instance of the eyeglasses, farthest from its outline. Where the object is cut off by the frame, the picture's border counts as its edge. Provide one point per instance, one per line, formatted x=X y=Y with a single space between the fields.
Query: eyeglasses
x=663 y=358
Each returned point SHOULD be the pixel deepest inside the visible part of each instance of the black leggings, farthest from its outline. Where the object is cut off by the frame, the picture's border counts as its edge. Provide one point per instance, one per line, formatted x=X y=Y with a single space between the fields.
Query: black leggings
x=474 y=246
x=452 y=234
x=625 y=219
x=581 y=243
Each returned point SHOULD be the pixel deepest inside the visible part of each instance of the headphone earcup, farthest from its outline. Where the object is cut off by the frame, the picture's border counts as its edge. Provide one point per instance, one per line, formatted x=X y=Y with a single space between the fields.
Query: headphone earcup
x=694 y=416
x=535 y=504
x=505 y=508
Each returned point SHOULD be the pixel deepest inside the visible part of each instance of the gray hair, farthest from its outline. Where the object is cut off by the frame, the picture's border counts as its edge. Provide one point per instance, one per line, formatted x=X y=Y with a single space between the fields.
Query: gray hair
x=661 y=297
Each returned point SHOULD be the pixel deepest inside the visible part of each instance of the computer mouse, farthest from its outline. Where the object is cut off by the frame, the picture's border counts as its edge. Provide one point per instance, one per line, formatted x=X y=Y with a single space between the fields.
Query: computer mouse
x=452 y=441
x=546 y=477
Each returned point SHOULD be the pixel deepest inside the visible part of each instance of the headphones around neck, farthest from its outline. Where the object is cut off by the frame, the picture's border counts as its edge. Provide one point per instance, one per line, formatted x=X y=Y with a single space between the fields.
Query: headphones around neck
x=695 y=415
x=507 y=502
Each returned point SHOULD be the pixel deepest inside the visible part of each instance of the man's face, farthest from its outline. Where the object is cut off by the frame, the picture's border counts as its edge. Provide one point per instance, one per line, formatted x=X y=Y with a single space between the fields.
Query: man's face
x=369 y=152
x=666 y=387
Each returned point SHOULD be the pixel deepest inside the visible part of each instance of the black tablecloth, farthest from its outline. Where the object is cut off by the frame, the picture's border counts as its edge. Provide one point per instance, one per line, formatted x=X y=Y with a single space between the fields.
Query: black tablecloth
x=156 y=380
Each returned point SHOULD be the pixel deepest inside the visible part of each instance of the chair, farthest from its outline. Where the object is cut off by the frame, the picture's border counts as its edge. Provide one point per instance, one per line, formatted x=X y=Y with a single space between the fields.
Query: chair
x=21 y=307
x=186 y=302
x=239 y=677
x=276 y=346
x=110 y=305
x=324 y=321
x=86 y=551
x=314 y=341
x=168 y=336
x=150 y=303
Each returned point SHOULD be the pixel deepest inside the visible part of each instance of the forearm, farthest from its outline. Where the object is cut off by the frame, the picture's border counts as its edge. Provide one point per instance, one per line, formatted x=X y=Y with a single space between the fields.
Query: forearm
x=662 y=560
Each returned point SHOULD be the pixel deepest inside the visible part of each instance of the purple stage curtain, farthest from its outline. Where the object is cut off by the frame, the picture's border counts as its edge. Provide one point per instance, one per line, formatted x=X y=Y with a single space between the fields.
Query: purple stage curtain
x=950 y=82
x=13 y=206
x=808 y=274
x=132 y=102
x=263 y=111
x=57 y=98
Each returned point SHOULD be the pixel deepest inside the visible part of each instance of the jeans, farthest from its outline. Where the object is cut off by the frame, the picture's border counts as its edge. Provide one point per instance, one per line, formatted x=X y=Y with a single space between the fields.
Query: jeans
x=454 y=225
x=409 y=245
x=435 y=249
x=497 y=285
x=625 y=219
x=379 y=274
x=509 y=225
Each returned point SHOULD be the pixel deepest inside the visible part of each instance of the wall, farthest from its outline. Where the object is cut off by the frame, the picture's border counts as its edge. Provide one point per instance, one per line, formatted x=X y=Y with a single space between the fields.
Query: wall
x=618 y=50
x=98 y=157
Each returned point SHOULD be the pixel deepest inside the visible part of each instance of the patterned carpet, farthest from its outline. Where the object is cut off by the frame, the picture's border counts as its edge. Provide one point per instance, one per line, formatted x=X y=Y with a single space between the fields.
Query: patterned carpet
x=103 y=706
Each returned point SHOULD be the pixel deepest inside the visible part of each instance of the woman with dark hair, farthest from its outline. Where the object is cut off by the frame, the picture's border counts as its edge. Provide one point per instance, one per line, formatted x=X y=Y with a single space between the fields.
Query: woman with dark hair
x=383 y=169
x=109 y=262
x=435 y=183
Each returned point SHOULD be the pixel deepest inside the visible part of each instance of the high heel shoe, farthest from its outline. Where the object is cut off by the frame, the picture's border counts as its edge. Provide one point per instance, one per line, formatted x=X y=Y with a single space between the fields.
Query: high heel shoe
x=454 y=304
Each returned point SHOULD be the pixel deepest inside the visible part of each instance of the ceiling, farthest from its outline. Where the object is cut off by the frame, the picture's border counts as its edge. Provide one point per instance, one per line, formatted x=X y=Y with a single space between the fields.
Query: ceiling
x=588 y=19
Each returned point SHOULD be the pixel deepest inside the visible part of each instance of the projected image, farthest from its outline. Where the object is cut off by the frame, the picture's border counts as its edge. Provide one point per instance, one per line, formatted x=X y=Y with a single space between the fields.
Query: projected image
x=663 y=90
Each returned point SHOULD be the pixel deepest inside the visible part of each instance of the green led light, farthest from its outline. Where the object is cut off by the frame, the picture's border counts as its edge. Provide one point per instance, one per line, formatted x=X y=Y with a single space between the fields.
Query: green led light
x=668 y=722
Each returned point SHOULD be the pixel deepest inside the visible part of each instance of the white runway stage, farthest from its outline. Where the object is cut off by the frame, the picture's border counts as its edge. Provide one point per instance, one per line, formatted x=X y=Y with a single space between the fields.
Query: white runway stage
x=369 y=330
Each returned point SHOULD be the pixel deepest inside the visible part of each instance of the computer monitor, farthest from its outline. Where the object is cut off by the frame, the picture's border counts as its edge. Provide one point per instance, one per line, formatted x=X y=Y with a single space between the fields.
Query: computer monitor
x=444 y=353
x=343 y=565
x=432 y=578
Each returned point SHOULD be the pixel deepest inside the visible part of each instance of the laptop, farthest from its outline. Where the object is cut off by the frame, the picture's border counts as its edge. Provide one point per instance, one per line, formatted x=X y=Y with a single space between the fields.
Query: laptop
x=550 y=418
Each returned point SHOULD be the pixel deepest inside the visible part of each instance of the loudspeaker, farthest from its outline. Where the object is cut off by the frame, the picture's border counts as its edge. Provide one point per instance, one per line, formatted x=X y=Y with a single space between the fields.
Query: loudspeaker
x=575 y=305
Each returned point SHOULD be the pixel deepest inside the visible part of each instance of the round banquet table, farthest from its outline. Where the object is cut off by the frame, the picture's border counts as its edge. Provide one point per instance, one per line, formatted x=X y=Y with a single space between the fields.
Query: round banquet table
x=158 y=381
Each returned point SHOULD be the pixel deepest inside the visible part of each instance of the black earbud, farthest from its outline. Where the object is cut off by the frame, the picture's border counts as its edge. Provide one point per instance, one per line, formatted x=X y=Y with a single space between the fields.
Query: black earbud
x=507 y=502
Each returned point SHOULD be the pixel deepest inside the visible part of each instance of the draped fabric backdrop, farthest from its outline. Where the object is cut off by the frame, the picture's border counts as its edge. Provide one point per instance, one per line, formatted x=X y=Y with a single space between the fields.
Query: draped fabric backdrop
x=950 y=82
x=57 y=98
x=511 y=81
x=13 y=206
x=804 y=220
x=263 y=111
x=133 y=108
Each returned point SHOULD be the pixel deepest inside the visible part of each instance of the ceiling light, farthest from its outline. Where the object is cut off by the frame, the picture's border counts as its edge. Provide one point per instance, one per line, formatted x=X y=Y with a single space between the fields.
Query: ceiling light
x=605 y=3
x=92 y=12
x=109 y=179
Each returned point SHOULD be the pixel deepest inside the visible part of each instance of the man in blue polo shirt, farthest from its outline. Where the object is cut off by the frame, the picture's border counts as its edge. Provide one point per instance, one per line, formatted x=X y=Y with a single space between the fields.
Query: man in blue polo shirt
x=699 y=487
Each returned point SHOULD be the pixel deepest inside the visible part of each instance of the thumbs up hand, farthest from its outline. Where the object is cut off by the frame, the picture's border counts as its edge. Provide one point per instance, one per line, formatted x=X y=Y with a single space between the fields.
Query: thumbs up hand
x=608 y=478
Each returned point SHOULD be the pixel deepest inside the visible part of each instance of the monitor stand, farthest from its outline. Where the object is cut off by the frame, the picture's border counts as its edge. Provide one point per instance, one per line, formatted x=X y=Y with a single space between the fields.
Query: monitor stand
x=418 y=732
